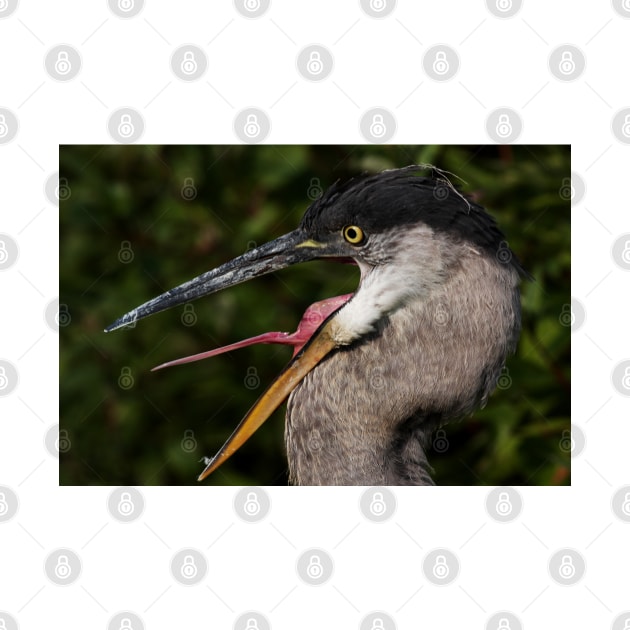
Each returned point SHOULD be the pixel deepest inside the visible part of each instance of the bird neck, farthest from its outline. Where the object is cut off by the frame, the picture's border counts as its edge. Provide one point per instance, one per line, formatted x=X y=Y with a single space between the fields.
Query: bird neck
x=365 y=414
x=337 y=454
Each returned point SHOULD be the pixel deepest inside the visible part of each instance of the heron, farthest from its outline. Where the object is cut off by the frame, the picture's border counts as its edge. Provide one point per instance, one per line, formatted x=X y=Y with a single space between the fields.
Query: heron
x=421 y=342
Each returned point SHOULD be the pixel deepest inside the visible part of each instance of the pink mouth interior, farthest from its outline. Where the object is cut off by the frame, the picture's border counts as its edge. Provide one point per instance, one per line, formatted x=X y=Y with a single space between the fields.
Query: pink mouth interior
x=313 y=317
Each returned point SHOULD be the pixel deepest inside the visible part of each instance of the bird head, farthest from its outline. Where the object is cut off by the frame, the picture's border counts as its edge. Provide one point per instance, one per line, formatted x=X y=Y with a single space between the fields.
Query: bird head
x=406 y=233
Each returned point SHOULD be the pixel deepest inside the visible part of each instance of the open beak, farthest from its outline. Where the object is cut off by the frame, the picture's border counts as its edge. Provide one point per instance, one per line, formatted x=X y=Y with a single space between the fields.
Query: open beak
x=313 y=345
x=294 y=247
x=315 y=350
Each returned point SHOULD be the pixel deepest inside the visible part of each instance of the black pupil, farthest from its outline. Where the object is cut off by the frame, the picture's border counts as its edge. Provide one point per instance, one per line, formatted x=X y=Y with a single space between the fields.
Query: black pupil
x=351 y=233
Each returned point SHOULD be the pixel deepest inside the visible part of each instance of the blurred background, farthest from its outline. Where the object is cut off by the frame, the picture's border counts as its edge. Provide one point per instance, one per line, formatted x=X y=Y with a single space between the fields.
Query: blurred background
x=138 y=220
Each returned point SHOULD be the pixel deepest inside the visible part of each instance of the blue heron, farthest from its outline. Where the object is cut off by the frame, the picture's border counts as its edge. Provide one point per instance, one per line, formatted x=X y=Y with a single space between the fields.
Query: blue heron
x=421 y=342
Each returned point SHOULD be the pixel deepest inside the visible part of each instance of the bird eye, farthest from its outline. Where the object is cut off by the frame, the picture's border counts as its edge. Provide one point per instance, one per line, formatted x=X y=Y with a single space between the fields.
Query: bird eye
x=353 y=234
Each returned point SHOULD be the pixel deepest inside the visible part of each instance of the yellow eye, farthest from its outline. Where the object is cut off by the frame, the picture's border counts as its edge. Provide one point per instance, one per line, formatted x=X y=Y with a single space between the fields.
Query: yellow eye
x=353 y=234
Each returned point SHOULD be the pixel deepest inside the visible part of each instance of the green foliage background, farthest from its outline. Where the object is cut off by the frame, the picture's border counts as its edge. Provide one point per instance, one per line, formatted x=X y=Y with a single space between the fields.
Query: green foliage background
x=129 y=199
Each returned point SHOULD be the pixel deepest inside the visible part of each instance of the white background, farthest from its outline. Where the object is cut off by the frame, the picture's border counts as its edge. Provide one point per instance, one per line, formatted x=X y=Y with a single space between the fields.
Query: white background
x=252 y=63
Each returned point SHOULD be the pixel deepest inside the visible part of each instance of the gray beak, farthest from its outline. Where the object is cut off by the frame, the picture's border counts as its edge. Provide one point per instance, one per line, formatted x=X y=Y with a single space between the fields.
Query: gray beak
x=292 y=248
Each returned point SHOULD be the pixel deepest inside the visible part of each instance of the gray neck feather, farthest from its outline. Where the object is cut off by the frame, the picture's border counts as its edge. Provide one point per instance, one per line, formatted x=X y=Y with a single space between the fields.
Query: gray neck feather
x=365 y=414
